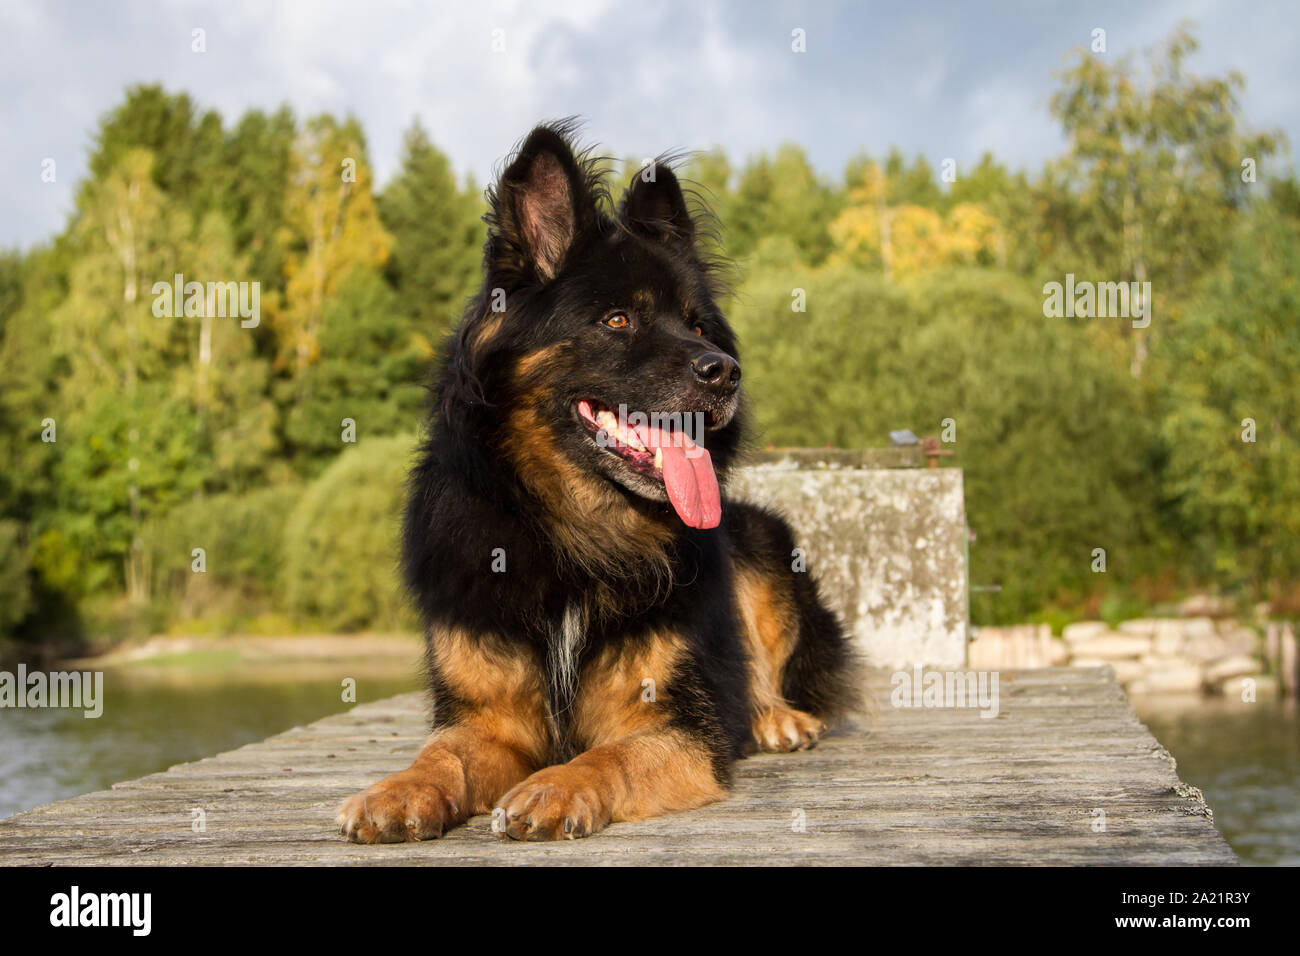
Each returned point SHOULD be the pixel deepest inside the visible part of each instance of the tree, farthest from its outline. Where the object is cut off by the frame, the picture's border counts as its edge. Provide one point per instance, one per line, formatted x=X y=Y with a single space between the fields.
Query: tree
x=437 y=236
x=127 y=444
x=707 y=179
x=255 y=178
x=1228 y=418
x=1156 y=166
x=369 y=370
x=332 y=226
x=225 y=382
x=880 y=228
x=781 y=197
x=188 y=148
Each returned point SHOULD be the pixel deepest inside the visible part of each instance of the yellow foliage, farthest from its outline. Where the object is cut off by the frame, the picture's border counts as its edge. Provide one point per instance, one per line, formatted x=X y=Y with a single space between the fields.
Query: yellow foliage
x=906 y=239
x=333 y=226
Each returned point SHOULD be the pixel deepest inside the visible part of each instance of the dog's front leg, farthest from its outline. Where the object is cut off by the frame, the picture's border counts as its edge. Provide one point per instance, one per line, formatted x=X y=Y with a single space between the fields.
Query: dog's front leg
x=461 y=771
x=494 y=735
x=646 y=773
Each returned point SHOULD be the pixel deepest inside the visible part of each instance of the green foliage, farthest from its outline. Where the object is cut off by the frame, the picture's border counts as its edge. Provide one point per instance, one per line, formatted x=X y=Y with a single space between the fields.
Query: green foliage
x=258 y=155
x=1232 y=367
x=781 y=196
x=341 y=544
x=188 y=146
x=369 y=371
x=241 y=536
x=116 y=465
x=1154 y=168
x=15 y=579
x=438 y=236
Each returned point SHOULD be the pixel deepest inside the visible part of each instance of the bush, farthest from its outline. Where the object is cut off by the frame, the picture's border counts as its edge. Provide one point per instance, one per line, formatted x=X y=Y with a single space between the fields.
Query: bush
x=241 y=536
x=341 y=543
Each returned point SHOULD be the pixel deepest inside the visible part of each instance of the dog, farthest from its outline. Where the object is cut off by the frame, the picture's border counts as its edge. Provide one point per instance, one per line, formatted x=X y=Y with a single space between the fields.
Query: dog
x=606 y=633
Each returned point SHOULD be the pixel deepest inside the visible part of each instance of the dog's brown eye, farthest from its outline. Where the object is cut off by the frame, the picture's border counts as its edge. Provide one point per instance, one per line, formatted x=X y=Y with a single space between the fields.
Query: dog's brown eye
x=699 y=330
x=618 y=320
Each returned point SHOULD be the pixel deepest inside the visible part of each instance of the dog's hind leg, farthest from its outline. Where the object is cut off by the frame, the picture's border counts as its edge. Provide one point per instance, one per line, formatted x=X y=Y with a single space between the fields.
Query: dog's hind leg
x=799 y=658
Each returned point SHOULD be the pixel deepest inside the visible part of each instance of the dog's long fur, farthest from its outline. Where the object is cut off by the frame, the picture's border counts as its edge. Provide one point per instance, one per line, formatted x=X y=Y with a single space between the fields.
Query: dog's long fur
x=592 y=658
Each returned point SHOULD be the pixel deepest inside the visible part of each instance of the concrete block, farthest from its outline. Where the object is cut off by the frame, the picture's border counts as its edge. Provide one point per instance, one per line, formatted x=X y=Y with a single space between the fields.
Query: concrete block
x=888 y=546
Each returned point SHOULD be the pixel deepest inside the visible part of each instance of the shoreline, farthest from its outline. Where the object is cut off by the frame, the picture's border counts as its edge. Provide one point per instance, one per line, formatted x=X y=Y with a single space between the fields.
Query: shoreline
x=244 y=649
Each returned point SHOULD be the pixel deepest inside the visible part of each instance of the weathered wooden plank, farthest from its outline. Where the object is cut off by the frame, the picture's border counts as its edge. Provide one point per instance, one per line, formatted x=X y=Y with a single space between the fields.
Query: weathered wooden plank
x=922 y=787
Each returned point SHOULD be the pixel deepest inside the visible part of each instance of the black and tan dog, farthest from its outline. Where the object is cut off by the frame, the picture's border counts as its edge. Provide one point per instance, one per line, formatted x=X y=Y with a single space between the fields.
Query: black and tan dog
x=606 y=634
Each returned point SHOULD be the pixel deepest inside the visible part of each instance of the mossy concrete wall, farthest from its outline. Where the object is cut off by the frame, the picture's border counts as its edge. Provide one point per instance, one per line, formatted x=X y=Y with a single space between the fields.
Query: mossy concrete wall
x=887 y=543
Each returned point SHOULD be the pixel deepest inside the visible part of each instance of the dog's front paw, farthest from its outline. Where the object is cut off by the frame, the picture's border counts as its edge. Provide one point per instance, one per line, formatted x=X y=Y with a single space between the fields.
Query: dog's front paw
x=400 y=808
x=552 y=804
x=782 y=729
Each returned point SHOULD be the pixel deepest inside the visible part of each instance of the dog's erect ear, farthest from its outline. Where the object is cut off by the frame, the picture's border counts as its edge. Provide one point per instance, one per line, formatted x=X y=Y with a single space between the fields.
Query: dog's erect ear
x=541 y=206
x=655 y=206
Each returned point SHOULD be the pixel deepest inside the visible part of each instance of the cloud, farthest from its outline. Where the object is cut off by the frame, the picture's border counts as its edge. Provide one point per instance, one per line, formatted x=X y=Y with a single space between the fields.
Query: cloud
x=949 y=81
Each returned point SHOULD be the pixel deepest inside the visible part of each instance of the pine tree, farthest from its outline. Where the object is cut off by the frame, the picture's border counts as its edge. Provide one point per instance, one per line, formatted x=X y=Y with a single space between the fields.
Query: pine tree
x=438 y=236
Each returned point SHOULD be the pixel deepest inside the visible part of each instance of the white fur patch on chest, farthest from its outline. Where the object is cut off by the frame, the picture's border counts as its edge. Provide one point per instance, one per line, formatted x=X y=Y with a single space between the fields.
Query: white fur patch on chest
x=567 y=640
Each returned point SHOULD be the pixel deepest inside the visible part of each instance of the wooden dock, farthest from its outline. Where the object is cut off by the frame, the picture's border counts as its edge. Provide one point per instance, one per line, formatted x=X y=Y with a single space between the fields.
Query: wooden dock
x=1064 y=775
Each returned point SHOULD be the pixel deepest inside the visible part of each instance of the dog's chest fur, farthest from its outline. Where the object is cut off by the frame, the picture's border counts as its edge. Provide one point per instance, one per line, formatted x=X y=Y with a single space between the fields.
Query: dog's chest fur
x=565 y=642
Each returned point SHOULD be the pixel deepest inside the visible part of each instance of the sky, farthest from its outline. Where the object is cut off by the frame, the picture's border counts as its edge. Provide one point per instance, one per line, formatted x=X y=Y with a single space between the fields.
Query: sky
x=948 y=80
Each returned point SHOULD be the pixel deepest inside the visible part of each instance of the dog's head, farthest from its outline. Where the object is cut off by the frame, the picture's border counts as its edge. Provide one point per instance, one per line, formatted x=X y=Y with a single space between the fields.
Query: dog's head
x=597 y=346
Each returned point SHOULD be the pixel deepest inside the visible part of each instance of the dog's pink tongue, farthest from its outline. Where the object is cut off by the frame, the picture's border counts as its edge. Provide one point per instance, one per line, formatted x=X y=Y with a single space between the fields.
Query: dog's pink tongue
x=689 y=478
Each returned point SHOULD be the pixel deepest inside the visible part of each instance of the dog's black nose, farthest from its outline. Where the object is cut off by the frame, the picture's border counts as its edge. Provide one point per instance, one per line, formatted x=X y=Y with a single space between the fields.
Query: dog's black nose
x=717 y=370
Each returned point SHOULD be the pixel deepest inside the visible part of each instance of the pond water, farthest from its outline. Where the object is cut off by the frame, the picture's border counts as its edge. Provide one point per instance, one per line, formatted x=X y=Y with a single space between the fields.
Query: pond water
x=1245 y=758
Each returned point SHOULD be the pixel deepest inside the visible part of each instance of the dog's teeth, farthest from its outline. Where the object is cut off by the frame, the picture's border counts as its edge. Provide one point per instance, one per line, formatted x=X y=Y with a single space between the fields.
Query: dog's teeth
x=607 y=421
x=634 y=441
x=659 y=459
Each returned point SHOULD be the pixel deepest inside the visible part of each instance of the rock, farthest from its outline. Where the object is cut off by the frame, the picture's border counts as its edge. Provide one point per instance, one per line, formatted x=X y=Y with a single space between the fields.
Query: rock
x=1137 y=688
x=1126 y=672
x=1154 y=662
x=1084 y=630
x=1205 y=647
x=1088 y=662
x=987 y=651
x=1238 y=665
x=1262 y=686
x=1057 y=653
x=1113 y=647
x=1239 y=639
x=1023 y=646
x=1168 y=640
x=1144 y=627
x=1173 y=679
x=1203 y=605
x=1198 y=627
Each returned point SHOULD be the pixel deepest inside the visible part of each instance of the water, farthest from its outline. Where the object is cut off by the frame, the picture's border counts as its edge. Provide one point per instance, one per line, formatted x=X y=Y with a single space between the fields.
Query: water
x=1245 y=758
x=160 y=716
